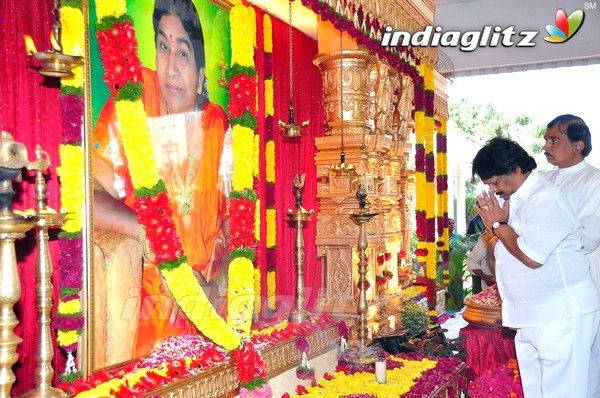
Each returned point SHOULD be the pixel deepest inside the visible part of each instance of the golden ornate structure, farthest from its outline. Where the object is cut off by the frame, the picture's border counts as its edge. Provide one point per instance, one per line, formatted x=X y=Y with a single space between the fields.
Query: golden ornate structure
x=376 y=106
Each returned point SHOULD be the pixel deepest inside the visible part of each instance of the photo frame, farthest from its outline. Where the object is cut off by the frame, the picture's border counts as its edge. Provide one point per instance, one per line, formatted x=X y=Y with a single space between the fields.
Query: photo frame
x=114 y=280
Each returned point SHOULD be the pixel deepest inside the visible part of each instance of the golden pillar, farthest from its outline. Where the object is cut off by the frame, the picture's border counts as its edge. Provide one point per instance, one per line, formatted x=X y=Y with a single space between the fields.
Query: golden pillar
x=346 y=102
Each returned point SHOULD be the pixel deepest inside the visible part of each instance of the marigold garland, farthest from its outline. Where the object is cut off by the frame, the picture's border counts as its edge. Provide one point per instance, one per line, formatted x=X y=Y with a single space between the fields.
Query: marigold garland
x=271 y=217
x=271 y=227
x=241 y=305
x=69 y=319
x=243 y=145
x=430 y=196
x=442 y=197
x=271 y=293
x=245 y=287
x=243 y=111
x=242 y=39
x=400 y=380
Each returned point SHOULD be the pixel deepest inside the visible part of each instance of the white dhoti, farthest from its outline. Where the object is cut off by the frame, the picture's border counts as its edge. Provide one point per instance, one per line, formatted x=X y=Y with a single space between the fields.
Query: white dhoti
x=556 y=360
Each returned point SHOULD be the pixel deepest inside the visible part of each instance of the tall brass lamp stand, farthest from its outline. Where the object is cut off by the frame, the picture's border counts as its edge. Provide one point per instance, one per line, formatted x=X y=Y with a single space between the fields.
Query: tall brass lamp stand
x=46 y=219
x=361 y=219
x=13 y=157
x=297 y=219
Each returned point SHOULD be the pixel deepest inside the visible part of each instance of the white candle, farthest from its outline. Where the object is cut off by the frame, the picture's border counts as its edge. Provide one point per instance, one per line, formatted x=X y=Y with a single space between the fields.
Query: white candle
x=380 y=371
x=392 y=319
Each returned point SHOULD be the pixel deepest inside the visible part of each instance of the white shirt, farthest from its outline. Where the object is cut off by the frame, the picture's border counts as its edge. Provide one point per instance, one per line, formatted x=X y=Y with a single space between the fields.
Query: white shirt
x=550 y=234
x=581 y=186
x=479 y=259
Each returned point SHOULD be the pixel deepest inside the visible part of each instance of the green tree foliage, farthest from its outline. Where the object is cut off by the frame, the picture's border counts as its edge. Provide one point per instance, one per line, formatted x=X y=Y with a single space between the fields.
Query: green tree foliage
x=480 y=123
x=414 y=318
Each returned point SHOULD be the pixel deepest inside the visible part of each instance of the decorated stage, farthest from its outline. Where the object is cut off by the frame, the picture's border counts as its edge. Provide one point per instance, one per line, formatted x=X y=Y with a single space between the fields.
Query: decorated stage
x=192 y=366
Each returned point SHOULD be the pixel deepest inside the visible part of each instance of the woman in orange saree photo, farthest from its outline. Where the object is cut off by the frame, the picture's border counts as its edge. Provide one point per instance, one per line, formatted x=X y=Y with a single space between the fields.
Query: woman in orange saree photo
x=192 y=154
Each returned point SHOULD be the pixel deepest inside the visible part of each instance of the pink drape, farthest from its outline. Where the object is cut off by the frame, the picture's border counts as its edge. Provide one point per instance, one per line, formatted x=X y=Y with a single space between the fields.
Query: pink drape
x=30 y=111
x=295 y=156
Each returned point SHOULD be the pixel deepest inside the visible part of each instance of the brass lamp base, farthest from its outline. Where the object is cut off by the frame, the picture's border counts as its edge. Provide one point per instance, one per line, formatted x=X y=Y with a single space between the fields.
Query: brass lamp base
x=298 y=316
x=45 y=392
x=11 y=228
x=57 y=64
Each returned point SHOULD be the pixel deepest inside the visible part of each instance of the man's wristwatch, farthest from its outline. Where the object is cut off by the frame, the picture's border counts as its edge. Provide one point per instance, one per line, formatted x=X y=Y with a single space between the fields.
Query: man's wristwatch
x=497 y=224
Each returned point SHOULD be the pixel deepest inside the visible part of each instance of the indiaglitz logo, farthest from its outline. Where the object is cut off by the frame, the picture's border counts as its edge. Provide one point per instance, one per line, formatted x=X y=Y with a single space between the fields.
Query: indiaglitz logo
x=565 y=27
x=488 y=36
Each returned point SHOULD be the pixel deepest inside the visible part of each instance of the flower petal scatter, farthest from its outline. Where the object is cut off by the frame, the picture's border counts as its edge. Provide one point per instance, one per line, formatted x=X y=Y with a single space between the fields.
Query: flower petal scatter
x=182 y=356
x=501 y=381
x=406 y=377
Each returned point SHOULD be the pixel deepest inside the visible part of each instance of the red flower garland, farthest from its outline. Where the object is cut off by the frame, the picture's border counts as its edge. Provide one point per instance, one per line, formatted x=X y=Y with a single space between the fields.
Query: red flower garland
x=241 y=230
x=118 y=52
x=155 y=214
x=242 y=92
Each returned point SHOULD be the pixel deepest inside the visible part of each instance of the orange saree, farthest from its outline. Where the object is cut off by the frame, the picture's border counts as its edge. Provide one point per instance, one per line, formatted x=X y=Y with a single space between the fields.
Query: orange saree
x=198 y=205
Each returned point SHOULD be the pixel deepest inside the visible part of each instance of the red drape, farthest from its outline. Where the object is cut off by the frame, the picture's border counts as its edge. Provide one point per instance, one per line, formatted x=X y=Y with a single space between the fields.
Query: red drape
x=30 y=111
x=295 y=156
x=487 y=348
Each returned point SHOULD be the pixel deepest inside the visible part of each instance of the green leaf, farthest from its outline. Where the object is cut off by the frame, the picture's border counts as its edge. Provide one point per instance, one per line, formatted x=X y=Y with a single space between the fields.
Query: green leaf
x=245 y=252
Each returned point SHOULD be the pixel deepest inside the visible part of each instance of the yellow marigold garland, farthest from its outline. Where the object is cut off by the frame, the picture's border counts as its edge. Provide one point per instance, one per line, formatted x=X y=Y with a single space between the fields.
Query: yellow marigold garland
x=240 y=304
x=257 y=298
x=270 y=161
x=271 y=227
x=399 y=381
x=442 y=198
x=256 y=156
x=242 y=44
x=271 y=217
x=243 y=145
x=246 y=154
x=71 y=174
x=69 y=319
x=269 y=107
x=271 y=284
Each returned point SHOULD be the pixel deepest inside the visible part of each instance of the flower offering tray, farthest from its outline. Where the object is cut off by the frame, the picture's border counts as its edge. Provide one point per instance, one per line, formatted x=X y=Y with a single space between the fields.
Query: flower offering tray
x=484 y=309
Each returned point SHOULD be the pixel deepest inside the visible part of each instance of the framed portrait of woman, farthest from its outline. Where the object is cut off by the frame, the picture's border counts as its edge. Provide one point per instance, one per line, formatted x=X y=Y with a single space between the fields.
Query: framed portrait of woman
x=184 y=47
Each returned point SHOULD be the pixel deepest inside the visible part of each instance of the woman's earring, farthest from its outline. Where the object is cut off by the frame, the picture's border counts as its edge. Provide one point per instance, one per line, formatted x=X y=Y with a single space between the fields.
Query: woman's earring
x=201 y=75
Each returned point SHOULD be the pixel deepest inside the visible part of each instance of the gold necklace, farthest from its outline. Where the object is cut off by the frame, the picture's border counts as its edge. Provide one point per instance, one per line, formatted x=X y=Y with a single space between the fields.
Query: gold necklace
x=184 y=190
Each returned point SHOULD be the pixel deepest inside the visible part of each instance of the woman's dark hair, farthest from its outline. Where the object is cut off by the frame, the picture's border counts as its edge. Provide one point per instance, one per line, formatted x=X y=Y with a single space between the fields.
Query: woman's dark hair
x=186 y=11
x=575 y=129
x=501 y=156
